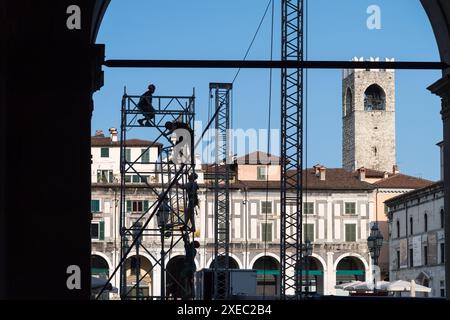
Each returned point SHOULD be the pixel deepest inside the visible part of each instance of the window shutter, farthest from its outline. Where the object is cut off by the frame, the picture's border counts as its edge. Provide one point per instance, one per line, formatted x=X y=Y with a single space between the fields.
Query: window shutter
x=128 y=154
x=269 y=232
x=145 y=205
x=99 y=176
x=128 y=205
x=102 y=230
x=145 y=156
x=95 y=205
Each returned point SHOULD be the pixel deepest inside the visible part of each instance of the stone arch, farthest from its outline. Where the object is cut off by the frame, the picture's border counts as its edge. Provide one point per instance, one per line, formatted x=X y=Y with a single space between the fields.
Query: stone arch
x=321 y=260
x=348 y=102
x=146 y=269
x=104 y=256
x=268 y=275
x=374 y=98
x=351 y=254
x=235 y=258
x=259 y=255
x=350 y=267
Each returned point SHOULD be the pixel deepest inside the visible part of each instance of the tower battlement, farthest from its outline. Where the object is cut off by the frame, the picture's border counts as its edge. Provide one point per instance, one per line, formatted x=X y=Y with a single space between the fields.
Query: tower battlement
x=347 y=72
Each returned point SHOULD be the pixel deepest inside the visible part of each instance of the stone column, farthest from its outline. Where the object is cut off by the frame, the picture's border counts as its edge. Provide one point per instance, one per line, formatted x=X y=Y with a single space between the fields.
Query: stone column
x=331 y=275
x=442 y=89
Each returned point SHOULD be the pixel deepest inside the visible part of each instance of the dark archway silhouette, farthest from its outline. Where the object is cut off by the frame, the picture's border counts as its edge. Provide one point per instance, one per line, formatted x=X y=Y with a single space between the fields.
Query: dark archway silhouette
x=267 y=276
x=350 y=269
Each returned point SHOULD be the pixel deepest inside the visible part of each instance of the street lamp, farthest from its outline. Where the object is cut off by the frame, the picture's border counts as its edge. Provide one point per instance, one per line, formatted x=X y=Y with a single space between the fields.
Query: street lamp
x=375 y=242
x=307 y=252
x=308 y=248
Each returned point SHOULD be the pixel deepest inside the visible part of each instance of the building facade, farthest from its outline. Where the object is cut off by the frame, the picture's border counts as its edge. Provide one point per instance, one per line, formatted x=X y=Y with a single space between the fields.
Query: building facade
x=417 y=244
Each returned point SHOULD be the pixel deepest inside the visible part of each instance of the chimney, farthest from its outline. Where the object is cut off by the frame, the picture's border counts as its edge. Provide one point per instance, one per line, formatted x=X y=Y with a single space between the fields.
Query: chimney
x=99 y=133
x=362 y=174
x=386 y=175
x=322 y=171
x=395 y=169
x=113 y=132
x=317 y=169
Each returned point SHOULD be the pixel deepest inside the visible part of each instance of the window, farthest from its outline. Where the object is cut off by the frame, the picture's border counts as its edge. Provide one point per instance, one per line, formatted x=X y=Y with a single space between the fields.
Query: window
x=262 y=173
x=350 y=208
x=266 y=207
x=308 y=207
x=411 y=230
x=411 y=257
x=348 y=102
x=425 y=255
x=308 y=230
x=145 y=158
x=442 y=218
x=134 y=178
x=386 y=210
x=425 y=222
x=398 y=259
x=105 y=176
x=95 y=205
x=442 y=285
x=442 y=245
x=350 y=232
x=137 y=206
x=98 y=230
x=398 y=229
x=104 y=152
x=374 y=98
x=128 y=155
x=266 y=232
x=221 y=230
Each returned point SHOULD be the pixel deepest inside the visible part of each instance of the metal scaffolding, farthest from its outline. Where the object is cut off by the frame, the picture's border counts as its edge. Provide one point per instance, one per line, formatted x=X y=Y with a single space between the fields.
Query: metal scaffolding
x=291 y=151
x=220 y=93
x=163 y=218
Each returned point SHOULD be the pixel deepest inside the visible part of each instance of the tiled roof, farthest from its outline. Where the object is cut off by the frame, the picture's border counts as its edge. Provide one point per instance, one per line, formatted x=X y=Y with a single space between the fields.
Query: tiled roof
x=258 y=157
x=99 y=141
x=335 y=179
x=370 y=174
x=403 y=181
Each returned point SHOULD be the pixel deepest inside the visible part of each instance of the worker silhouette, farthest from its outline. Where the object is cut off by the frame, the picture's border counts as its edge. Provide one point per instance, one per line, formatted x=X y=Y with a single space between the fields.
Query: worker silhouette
x=163 y=212
x=192 y=192
x=145 y=106
x=189 y=268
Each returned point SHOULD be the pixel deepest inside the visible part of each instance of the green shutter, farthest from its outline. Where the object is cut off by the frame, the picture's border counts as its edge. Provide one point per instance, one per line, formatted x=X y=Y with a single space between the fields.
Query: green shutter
x=145 y=156
x=145 y=205
x=350 y=232
x=104 y=152
x=128 y=154
x=102 y=230
x=95 y=205
x=136 y=178
x=99 y=176
x=111 y=177
x=128 y=205
x=309 y=232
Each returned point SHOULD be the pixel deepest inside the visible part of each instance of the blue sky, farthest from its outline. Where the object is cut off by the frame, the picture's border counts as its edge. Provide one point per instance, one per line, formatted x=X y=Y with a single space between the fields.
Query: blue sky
x=212 y=29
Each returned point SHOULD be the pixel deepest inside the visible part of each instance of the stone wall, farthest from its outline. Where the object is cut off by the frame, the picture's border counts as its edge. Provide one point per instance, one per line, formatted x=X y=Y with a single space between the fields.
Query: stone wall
x=369 y=136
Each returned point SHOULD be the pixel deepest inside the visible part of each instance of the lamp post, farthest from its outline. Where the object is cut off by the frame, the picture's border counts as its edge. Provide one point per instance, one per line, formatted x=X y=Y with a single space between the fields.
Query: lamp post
x=375 y=242
x=138 y=258
x=307 y=252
